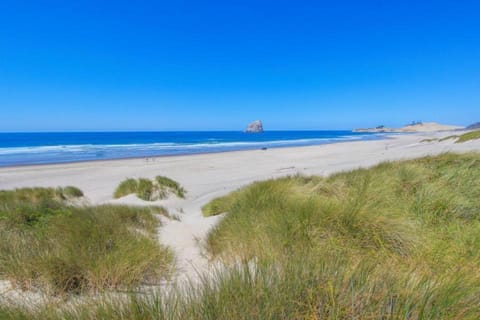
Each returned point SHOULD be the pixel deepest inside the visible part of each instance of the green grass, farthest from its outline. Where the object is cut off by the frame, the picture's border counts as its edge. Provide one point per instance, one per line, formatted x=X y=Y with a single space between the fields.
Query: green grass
x=150 y=190
x=447 y=138
x=126 y=187
x=473 y=135
x=405 y=224
x=398 y=241
x=221 y=205
x=458 y=138
x=36 y=195
x=49 y=245
x=170 y=185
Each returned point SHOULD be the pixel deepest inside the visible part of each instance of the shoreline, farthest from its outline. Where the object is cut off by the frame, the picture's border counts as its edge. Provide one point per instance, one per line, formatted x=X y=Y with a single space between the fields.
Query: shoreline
x=385 y=137
x=32 y=157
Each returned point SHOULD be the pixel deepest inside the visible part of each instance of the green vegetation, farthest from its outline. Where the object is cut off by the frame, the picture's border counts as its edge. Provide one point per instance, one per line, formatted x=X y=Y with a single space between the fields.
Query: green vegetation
x=447 y=138
x=47 y=244
x=397 y=241
x=126 y=187
x=170 y=185
x=72 y=192
x=221 y=205
x=370 y=243
x=36 y=195
x=472 y=135
x=150 y=190
x=469 y=136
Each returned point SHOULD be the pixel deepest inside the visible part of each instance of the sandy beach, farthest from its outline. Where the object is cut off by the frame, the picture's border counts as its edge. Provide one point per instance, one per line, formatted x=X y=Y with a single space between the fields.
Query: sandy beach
x=208 y=176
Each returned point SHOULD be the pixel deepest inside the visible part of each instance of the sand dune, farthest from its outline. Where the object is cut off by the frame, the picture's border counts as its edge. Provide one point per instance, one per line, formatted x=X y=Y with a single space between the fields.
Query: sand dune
x=428 y=127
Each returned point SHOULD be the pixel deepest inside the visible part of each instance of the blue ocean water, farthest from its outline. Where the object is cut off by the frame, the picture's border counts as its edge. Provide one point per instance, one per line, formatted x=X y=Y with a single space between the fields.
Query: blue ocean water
x=59 y=147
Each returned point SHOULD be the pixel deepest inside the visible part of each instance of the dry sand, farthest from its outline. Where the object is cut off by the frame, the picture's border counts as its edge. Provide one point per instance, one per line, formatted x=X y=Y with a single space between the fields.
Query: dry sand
x=208 y=176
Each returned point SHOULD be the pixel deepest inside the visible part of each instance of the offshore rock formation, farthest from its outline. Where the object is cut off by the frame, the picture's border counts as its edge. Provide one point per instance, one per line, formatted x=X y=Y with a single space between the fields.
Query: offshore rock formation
x=255 y=127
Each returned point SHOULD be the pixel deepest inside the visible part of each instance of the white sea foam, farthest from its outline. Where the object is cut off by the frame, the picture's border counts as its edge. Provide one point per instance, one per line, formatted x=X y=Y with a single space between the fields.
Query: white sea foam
x=86 y=148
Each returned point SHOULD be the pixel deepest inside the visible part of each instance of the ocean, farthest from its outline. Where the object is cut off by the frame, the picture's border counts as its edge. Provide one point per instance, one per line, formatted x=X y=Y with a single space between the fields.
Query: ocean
x=61 y=147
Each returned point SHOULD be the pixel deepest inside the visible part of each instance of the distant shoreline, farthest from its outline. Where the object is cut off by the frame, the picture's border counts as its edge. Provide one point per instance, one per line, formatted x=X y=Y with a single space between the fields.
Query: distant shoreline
x=20 y=150
x=157 y=157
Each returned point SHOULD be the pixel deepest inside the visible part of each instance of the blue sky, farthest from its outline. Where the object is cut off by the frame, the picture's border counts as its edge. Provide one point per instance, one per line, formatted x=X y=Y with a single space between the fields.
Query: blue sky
x=216 y=65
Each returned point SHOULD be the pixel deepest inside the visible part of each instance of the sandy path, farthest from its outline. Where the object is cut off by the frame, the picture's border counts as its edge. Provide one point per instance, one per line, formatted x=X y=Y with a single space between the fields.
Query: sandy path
x=211 y=175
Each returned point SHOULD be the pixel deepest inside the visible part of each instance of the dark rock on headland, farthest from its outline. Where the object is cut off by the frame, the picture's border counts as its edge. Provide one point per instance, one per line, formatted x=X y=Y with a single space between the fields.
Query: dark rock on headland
x=255 y=127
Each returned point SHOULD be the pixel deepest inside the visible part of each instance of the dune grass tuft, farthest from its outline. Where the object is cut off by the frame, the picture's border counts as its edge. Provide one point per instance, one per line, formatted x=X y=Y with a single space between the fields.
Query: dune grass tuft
x=49 y=245
x=473 y=135
x=72 y=192
x=150 y=190
x=126 y=187
x=220 y=205
x=170 y=186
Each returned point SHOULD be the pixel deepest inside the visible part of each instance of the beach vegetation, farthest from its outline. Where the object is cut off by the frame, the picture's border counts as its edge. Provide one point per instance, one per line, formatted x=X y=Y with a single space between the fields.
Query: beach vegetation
x=72 y=192
x=170 y=185
x=369 y=243
x=396 y=241
x=221 y=205
x=150 y=190
x=448 y=138
x=49 y=245
x=472 y=135
x=126 y=187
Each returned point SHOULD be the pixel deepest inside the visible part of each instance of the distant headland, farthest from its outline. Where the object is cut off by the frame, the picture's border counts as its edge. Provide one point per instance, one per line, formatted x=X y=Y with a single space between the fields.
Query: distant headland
x=412 y=127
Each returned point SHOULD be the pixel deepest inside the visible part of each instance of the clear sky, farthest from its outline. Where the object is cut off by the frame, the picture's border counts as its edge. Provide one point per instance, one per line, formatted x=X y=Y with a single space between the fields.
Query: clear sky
x=217 y=65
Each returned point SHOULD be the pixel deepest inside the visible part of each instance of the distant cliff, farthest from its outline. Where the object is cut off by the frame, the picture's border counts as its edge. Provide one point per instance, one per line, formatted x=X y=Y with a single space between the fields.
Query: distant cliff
x=255 y=127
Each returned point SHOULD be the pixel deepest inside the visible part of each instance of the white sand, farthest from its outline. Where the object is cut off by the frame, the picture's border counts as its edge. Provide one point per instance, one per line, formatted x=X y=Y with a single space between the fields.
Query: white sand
x=211 y=175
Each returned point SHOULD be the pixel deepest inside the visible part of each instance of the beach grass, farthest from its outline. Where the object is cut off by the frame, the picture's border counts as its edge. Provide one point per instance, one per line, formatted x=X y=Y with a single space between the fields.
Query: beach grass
x=48 y=245
x=170 y=185
x=473 y=135
x=149 y=190
x=221 y=205
x=400 y=240
x=392 y=233
x=126 y=187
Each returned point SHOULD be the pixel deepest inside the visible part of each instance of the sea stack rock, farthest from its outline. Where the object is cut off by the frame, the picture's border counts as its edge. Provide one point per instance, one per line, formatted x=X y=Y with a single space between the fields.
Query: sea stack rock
x=255 y=127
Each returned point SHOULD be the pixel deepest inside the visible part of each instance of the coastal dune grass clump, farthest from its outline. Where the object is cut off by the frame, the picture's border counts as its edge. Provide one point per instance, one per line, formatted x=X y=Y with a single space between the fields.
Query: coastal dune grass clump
x=472 y=135
x=149 y=190
x=50 y=245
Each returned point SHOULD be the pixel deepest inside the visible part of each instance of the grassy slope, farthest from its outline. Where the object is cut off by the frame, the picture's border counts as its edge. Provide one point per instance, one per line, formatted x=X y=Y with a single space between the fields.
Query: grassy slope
x=469 y=136
x=48 y=244
x=398 y=241
x=401 y=238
